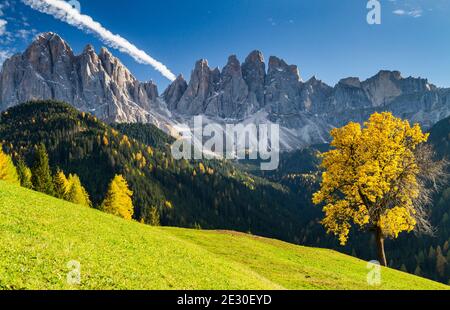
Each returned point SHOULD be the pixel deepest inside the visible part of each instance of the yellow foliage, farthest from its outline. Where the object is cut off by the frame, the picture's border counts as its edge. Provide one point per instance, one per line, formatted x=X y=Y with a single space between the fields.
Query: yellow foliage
x=396 y=220
x=76 y=193
x=125 y=141
x=138 y=156
x=201 y=168
x=61 y=184
x=118 y=199
x=150 y=151
x=370 y=176
x=8 y=171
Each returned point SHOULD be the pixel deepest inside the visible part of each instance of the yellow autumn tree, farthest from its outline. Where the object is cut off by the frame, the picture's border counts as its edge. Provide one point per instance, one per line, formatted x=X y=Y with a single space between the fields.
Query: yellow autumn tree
x=8 y=171
x=118 y=199
x=61 y=184
x=76 y=193
x=375 y=177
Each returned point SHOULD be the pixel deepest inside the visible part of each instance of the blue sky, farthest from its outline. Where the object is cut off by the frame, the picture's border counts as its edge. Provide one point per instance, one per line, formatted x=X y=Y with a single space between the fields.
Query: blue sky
x=327 y=38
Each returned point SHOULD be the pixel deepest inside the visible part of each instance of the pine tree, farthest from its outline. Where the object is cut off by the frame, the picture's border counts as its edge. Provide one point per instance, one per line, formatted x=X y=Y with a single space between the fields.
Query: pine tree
x=118 y=199
x=76 y=192
x=201 y=167
x=8 y=171
x=41 y=176
x=154 y=217
x=441 y=262
x=446 y=246
x=61 y=184
x=24 y=174
x=403 y=268
x=418 y=271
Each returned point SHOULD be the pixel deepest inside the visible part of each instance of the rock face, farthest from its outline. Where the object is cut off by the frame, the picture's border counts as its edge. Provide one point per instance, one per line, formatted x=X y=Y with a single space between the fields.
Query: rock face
x=174 y=92
x=230 y=95
x=312 y=106
x=100 y=84
x=254 y=74
x=201 y=88
x=305 y=111
x=314 y=95
x=282 y=87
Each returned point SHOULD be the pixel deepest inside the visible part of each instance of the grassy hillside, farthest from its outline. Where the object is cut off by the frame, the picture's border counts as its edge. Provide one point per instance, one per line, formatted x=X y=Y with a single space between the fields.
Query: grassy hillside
x=39 y=235
x=207 y=194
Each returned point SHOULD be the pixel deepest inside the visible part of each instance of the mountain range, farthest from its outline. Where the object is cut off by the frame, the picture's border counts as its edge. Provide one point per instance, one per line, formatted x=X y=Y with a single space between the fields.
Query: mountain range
x=247 y=92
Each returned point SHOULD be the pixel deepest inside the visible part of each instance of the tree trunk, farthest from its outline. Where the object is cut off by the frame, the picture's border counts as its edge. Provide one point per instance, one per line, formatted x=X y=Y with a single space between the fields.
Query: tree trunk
x=380 y=247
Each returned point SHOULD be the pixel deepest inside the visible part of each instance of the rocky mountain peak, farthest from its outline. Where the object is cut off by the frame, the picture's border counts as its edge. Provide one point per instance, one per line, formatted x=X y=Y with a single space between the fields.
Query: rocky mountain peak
x=48 y=48
x=351 y=81
x=254 y=74
x=233 y=67
x=383 y=87
x=313 y=94
x=174 y=92
x=201 y=64
x=89 y=49
x=230 y=91
x=255 y=57
x=100 y=84
x=50 y=39
x=200 y=87
x=105 y=53
x=282 y=87
x=278 y=65
x=387 y=74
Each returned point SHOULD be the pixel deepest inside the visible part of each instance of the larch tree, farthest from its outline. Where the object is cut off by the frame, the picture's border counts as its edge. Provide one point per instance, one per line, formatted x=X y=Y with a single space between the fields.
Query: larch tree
x=41 y=175
x=61 y=184
x=24 y=173
x=76 y=193
x=8 y=171
x=118 y=199
x=379 y=177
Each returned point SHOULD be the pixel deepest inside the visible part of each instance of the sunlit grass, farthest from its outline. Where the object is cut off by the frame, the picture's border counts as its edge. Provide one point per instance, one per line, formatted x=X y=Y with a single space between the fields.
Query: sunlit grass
x=39 y=235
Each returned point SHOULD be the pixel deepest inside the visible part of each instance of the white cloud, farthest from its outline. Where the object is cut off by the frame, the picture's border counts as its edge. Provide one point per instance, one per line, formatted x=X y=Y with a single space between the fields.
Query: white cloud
x=65 y=12
x=4 y=54
x=399 y=12
x=3 y=27
x=412 y=13
x=25 y=34
x=415 y=13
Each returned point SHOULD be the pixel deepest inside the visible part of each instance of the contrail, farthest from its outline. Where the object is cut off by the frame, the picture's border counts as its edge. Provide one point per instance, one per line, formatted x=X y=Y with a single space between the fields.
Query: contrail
x=66 y=13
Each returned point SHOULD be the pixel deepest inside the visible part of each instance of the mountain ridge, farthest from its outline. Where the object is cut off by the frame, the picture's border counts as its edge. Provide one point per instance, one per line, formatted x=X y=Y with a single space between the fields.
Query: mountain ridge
x=241 y=92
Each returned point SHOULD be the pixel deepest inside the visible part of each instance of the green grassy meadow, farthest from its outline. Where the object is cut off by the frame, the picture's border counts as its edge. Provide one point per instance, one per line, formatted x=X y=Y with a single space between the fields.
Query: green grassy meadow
x=39 y=235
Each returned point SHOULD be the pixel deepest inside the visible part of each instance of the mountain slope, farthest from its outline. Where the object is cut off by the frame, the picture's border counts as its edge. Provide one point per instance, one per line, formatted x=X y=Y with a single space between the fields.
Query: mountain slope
x=39 y=235
x=209 y=194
